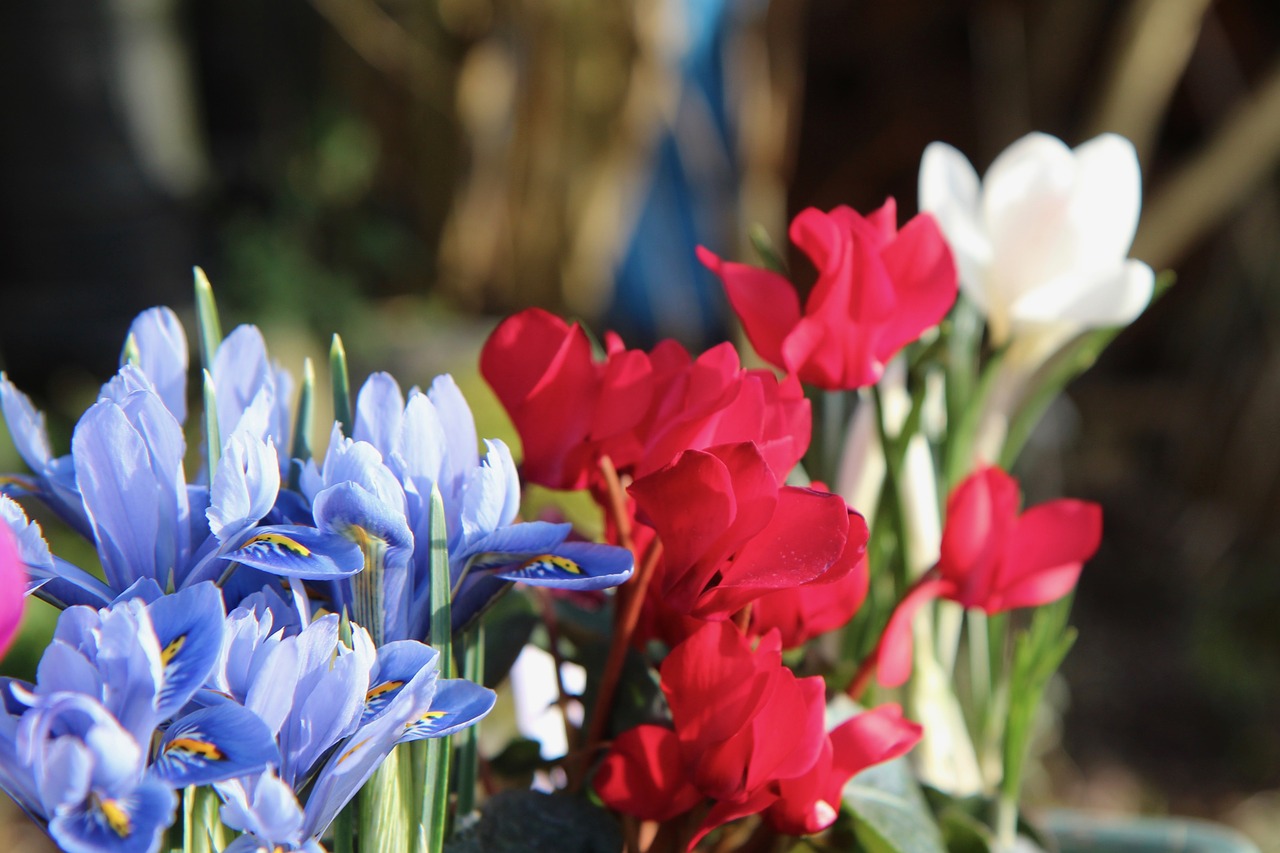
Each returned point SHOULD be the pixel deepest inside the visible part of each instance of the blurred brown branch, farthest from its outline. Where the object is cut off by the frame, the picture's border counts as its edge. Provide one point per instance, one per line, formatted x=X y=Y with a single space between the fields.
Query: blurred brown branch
x=1245 y=148
x=1157 y=40
x=386 y=45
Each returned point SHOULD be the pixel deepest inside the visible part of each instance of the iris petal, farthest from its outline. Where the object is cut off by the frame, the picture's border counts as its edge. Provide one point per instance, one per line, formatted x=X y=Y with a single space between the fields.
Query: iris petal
x=299 y=552
x=214 y=744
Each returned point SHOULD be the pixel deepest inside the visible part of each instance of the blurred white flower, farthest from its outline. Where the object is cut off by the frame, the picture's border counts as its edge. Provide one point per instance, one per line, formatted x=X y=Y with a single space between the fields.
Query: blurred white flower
x=538 y=716
x=1041 y=242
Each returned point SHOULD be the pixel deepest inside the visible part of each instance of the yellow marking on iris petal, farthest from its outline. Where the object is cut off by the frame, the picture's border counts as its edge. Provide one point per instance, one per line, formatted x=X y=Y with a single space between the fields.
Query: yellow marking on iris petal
x=426 y=718
x=117 y=818
x=385 y=687
x=171 y=650
x=359 y=535
x=349 y=752
x=195 y=747
x=282 y=541
x=555 y=562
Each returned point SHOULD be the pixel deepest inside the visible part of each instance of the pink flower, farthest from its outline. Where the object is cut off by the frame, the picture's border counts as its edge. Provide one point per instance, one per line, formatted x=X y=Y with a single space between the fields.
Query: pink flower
x=13 y=582
x=878 y=289
x=995 y=559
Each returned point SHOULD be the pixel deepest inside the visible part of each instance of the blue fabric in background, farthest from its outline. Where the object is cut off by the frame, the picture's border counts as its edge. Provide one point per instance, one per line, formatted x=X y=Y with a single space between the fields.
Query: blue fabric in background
x=688 y=197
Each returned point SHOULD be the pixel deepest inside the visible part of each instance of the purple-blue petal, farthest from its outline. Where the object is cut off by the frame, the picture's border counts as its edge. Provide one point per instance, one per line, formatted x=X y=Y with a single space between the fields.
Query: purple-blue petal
x=189 y=627
x=457 y=704
x=299 y=552
x=214 y=744
x=132 y=822
x=163 y=356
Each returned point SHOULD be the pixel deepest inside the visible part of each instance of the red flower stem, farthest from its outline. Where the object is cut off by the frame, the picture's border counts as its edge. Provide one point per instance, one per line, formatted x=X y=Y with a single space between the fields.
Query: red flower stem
x=617 y=502
x=623 y=629
x=742 y=619
x=863 y=675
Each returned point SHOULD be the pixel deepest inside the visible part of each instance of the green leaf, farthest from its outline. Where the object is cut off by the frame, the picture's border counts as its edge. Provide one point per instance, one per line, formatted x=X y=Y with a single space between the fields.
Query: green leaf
x=384 y=809
x=964 y=833
x=304 y=427
x=768 y=252
x=530 y=822
x=507 y=628
x=889 y=811
x=207 y=319
x=469 y=752
x=435 y=790
x=1073 y=359
x=341 y=385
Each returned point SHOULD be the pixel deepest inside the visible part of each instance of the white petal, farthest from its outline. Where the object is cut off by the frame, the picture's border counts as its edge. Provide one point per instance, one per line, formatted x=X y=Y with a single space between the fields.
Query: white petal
x=1112 y=296
x=1106 y=200
x=949 y=191
x=1026 y=209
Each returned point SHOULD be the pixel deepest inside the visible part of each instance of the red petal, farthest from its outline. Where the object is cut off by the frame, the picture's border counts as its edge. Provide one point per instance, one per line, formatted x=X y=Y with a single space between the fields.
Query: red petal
x=764 y=301
x=644 y=775
x=1044 y=556
x=626 y=390
x=872 y=737
x=715 y=684
x=924 y=280
x=805 y=612
x=542 y=371
x=893 y=654
x=981 y=514
x=805 y=537
x=725 y=811
x=795 y=707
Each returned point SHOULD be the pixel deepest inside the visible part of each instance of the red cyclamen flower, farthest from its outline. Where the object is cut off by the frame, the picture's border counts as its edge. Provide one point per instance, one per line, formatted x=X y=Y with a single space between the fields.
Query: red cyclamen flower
x=568 y=408
x=639 y=409
x=878 y=289
x=729 y=706
x=730 y=533
x=995 y=559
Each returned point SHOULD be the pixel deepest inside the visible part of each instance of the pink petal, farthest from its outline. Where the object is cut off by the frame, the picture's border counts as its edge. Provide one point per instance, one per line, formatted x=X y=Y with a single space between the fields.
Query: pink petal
x=13 y=582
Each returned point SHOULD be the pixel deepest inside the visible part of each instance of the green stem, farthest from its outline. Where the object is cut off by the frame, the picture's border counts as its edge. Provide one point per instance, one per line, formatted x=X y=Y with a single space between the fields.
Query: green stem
x=893 y=492
x=469 y=751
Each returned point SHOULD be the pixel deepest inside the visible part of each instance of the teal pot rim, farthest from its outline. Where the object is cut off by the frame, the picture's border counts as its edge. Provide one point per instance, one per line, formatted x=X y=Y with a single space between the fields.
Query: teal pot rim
x=1086 y=832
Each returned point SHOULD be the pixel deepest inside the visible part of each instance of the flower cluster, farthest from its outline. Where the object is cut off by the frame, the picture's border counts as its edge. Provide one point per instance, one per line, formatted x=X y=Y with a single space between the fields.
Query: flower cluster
x=265 y=640
x=692 y=461
x=289 y=702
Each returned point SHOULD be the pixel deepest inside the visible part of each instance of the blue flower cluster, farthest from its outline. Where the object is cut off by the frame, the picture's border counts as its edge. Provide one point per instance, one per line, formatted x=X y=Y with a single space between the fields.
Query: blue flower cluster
x=260 y=629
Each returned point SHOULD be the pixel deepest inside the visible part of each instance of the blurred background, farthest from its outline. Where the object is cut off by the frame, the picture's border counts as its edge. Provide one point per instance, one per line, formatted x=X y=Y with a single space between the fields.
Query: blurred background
x=405 y=171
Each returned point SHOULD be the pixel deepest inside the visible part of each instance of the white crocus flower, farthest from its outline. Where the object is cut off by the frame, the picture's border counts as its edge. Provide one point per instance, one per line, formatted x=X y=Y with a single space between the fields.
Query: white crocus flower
x=1041 y=241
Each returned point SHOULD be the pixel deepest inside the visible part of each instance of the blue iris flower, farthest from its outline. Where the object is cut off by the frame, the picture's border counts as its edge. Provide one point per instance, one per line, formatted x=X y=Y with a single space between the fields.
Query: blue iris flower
x=430 y=441
x=336 y=708
x=123 y=484
x=95 y=748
